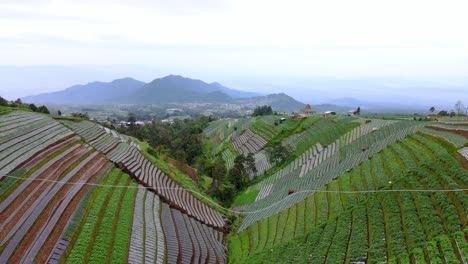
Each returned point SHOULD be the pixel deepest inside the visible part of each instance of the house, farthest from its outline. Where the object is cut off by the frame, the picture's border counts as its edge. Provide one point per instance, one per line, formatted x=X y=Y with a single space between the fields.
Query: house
x=308 y=111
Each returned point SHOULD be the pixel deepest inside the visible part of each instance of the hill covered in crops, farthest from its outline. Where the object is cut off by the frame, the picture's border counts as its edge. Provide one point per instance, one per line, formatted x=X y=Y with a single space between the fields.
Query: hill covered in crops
x=269 y=189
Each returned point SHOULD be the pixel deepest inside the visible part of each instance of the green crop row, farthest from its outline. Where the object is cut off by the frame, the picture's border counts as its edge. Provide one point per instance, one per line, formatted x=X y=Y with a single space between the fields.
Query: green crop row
x=104 y=233
x=385 y=226
x=78 y=248
x=124 y=226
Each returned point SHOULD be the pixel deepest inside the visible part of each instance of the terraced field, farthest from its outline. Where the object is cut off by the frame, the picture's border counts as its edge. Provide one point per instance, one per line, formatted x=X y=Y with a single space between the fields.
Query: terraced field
x=362 y=215
x=264 y=128
x=133 y=162
x=63 y=199
x=355 y=191
x=248 y=142
x=278 y=187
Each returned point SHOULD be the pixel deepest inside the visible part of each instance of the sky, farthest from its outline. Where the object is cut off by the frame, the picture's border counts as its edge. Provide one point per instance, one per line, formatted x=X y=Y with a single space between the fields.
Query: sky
x=249 y=44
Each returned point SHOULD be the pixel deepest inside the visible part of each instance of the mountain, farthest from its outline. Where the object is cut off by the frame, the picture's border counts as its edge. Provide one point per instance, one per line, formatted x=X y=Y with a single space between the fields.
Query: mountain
x=234 y=93
x=279 y=102
x=178 y=89
x=91 y=93
x=170 y=89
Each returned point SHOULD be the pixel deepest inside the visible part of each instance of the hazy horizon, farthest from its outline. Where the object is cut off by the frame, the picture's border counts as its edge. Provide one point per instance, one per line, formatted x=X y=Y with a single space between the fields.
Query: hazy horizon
x=408 y=52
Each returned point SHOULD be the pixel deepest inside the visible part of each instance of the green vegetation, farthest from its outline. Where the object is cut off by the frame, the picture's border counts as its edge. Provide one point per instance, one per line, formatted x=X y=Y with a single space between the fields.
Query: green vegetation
x=7 y=183
x=373 y=227
x=384 y=193
x=6 y=106
x=246 y=197
x=100 y=234
x=262 y=110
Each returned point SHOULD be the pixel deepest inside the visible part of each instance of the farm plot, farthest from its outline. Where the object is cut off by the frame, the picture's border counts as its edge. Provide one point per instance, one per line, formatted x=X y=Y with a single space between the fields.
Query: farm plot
x=147 y=239
x=373 y=227
x=248 y=142
x=103 y=232
x=309 y=160
x=38 y=207
x=464 y=152
x=364 y=129
x=22 y=141
x=189 y=241
x=133 y=162
x=95 y=135
x=264 y=129
x=278 y=198
x=298 y=140
x=228 y=158
x=455 y=139
x=262 y=163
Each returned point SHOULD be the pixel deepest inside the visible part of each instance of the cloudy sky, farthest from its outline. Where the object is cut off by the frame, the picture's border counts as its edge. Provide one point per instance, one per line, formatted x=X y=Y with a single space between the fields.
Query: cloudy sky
x=226 y=40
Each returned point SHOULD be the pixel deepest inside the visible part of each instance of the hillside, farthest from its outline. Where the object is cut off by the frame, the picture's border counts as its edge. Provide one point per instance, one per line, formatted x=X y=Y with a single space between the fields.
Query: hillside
x=349 y=190
x=105 y=203
x=281 y=102
x=91 y=93
x=375 y=191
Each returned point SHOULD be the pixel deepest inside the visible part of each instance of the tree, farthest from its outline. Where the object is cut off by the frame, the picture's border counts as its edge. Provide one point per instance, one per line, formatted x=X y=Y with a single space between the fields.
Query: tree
x=219 y=171
x=81 y=115
x=238 y=174
x=442 y=113
x=43 y=109
x=18 y=102
x=432 y=109
x=249 y=164
x=3 y=102
x=262 y=110
x=459 y=107
x=358 y=110
x=33 y=107
x=59 y=113
x=180 y=155
x=131 y=119
x=279 y=153
x=238 y=178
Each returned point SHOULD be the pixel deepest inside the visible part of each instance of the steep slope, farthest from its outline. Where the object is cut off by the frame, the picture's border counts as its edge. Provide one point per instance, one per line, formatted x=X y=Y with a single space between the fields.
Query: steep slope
x=62 y=200
x=91 y=93
x=381 y=192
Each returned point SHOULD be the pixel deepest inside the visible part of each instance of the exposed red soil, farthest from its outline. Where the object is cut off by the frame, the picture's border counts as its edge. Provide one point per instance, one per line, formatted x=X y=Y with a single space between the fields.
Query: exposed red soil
x=38 y=157
x=55 y=235
x=455 y=124
x=22 y=248
x=463 y=133
x=32 y=185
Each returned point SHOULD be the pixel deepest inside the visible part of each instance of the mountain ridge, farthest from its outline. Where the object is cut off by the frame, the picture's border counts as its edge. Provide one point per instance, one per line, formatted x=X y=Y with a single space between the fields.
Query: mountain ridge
x=168 y=89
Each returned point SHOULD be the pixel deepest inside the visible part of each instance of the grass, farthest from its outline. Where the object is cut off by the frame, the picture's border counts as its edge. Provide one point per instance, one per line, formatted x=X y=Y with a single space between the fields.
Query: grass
x=245 y=197
x=8 y=182
x=5 y=109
